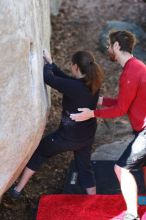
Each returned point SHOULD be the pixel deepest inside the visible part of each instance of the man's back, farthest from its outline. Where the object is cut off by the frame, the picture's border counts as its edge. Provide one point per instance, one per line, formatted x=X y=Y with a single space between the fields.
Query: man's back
x=135 y=76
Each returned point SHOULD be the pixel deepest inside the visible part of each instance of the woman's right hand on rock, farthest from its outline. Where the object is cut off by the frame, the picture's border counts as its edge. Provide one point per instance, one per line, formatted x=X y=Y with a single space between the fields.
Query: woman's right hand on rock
x=47 y=56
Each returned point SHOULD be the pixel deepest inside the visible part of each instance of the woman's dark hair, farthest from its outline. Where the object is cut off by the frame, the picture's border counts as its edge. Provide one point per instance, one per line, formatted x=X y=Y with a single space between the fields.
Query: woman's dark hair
x=126 y=40
x=93 y=74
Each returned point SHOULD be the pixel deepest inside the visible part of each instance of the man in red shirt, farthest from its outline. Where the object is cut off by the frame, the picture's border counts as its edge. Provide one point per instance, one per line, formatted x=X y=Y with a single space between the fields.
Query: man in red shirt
x=131 y=100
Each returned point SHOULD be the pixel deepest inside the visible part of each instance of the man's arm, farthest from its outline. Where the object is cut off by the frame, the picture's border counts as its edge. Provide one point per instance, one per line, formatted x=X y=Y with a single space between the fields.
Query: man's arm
x=105 y=101
x=127 y=93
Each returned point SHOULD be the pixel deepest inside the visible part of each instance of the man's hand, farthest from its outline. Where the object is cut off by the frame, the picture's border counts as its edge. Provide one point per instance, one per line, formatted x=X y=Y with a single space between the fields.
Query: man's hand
x=47 y=56
x=85 y=114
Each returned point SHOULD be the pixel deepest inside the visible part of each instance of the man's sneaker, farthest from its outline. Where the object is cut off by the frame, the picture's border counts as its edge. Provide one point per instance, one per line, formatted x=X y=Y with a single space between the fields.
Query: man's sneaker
x=129 y=216
x=13 y=193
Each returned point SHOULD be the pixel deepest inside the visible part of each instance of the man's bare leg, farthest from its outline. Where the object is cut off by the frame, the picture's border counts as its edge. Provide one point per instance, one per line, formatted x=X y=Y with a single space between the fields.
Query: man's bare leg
x=128 y=188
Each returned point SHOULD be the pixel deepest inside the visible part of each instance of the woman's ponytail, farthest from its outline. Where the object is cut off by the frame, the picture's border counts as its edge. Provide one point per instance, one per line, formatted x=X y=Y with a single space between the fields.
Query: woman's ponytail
x=93 y=74
x=94 y=77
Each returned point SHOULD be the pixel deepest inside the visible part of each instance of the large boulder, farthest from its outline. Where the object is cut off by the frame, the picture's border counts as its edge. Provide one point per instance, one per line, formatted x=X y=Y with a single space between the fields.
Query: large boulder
x=139 y=51
x=111 y=151
x=24 y=32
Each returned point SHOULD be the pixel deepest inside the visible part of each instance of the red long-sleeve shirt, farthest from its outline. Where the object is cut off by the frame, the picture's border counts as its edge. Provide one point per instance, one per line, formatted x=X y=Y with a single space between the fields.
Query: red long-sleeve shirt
x=131 y=99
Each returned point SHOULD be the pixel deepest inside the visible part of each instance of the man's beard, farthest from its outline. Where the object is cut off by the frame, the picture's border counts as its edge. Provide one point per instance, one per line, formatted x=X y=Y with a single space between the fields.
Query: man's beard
x=112 y=56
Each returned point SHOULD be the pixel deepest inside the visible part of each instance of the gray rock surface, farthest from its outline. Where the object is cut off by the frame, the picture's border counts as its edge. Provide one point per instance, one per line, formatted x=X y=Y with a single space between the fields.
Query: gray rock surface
x=111 y=151
x=24 y=32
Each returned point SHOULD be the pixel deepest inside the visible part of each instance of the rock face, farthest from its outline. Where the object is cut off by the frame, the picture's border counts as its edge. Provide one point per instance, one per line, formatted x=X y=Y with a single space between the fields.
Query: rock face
x=111 y=151
x=24 y=32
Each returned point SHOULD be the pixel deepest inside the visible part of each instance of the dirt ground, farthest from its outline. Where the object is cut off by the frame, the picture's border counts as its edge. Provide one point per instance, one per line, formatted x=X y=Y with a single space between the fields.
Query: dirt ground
x=76 y=27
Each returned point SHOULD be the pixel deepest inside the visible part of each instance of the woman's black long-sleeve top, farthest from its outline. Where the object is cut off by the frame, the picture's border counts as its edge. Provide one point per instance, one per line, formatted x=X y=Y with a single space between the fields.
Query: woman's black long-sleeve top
x=75 y=95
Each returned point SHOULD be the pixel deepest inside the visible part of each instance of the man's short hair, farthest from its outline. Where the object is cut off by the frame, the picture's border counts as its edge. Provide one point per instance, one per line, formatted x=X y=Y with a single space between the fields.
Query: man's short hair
x=126 y=40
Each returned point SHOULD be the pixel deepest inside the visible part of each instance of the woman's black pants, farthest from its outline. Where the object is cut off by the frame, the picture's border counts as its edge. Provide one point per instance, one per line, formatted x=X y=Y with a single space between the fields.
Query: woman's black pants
x=54 y=144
